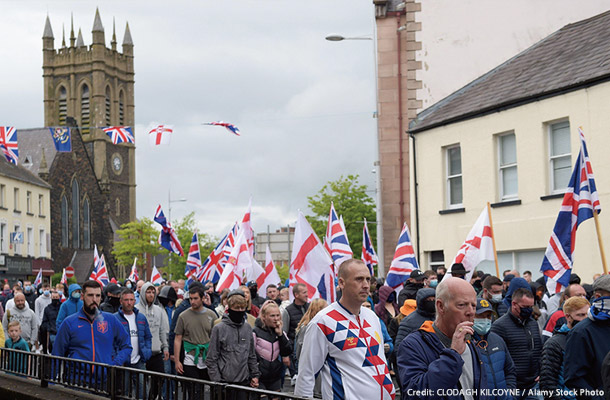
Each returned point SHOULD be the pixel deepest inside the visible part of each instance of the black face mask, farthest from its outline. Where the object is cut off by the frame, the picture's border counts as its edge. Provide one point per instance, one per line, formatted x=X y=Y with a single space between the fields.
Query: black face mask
x=55 y=302
x=236 y=316
x=439 y=277
x=525 y=312
x=574 y=322
x=114 y=301
x=163 y=301
x=428 y=307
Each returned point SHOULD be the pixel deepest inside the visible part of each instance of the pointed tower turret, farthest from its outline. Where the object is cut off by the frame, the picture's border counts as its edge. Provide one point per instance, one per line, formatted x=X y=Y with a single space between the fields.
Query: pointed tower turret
x=48 y=41
x=43 y=169
x=72 y=37
x=80 y=42
x=63 y=36
x=98 y=29
x=127 y=41
x=113 y=41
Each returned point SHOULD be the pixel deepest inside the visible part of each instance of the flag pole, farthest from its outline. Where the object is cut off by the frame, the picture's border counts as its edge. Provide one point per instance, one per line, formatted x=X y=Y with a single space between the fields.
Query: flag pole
x=599 y=240
x=493 y=239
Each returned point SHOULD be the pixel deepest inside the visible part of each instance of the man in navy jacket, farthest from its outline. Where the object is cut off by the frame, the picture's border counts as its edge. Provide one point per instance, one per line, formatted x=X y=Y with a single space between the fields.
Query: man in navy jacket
x=439 y=361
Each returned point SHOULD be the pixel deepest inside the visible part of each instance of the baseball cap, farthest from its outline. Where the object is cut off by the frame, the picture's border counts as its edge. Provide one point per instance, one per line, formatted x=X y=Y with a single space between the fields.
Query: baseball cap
x=417 y=275
x=602 y=283
x=509 y=277
x=482 y=306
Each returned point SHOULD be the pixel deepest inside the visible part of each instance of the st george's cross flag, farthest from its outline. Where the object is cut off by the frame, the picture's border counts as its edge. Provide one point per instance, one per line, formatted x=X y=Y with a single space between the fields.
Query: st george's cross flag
x=335 y=241
x=477 y=247
x=64 y=278
x=155 y=276
x=230 y=127
x=160 y=135
x=577 y=206
x=311 y=264
x=119 y=134
x=246 y=226
x=167 y=238
x=239 y=261
x=133 y=275
x=38 y=280
x=270 y=275
x=368 y=252
x=99 y=273
x=8 y=144
x=404 y=261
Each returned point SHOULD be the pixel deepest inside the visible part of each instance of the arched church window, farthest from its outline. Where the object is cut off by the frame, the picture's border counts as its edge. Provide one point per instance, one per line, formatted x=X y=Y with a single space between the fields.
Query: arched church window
x=108 y=105
x=85 y=116
x=75 y=215
x=121 y=108
x=63 y=106
x=117 y=206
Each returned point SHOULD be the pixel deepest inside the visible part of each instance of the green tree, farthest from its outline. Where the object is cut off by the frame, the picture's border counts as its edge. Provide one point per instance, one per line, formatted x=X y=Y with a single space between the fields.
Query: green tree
x=352 y=202
x=283 y=271
x=136 y=239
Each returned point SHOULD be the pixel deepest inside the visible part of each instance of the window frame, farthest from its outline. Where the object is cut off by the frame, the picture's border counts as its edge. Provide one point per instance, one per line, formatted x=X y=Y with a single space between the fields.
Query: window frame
x=502 y=168
x=552 y=157
x=449 y=177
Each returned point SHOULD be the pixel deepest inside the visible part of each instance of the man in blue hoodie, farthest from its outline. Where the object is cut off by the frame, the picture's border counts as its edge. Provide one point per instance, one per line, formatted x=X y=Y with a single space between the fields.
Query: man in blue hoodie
x=70 y=306
x=93 y=335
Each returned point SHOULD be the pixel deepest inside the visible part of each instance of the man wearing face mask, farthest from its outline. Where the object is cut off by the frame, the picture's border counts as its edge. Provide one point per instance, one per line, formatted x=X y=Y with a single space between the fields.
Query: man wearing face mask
x=111 y=304
x=552 y=376
x=492 y=292
x=431 y=279
x=48 y=327
x=70 y=306
x=30 y=293
x=588 y=343
x=521 y=334
x=42 y=301
x=494 y=353
x=231 y=356
x=415 y=282
x=424 y=312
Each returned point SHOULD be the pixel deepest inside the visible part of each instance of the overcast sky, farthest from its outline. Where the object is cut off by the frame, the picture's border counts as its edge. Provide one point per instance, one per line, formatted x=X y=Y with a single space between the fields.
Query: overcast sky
x=304 y=105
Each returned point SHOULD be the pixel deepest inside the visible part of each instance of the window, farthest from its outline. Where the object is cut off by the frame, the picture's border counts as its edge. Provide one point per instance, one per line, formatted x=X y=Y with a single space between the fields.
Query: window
x=3 y=238
x=64 y=221
x=507 y=160
x=2 y=196
x=560 y=156
x=84 y=109
x=108 y=106
x=28 y=201
x=30 y=233
x=521 y=260
x=117 y=206
x=63 y=106
x=18 y=242
x=436 y=259
x=16 y=199
x=75 y=215
x=121 y=108
x=40 y=204
x=454 y=177
x=86 y=225
x=42 y=241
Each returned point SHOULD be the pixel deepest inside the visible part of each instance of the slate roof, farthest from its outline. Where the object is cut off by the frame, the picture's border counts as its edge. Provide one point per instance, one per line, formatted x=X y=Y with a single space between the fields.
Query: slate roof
x=31 y=144
x=20 y=173
x=576 y=56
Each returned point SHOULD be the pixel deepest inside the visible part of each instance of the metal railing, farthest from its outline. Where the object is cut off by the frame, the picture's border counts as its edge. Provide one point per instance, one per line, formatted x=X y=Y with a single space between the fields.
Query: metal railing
x=122 y=383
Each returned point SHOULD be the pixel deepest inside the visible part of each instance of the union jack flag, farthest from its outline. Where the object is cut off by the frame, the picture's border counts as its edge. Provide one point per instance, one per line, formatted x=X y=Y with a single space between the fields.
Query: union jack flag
x=578 y=203
x=404 y=261
x=335 y=241
x=368 y=252
x=230 y=127
x=119 y=134
x=193 y=261
x=99 y=273
x=213 y=266
x=167 y=237
x=8 y=143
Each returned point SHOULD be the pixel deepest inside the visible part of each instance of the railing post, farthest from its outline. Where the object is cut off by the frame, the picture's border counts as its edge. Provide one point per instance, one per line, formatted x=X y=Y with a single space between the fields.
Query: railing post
x=112 y=383
x=43 y=371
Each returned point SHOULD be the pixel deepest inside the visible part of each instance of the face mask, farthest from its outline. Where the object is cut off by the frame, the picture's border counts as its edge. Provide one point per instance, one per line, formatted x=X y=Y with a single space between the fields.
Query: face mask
x=482 y=326
x=574 y=322
x=428 y=307
x=28 y=289
x=46 y=293
x=440 y=277
x=114 y=301
x=40 y=290
x=236 y=316
x=128 y=285
x=525 y=312
x=496 y=298
x=163 y=301
x=76 y=295
x=433 y=282
x=55 y=302
x=419 y=284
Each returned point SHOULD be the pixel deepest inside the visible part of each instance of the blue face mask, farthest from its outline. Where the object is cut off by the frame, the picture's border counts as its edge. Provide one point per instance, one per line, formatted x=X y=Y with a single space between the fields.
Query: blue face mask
x=433 y=282
x=46 y=293
x=600 y=308
x=76 y=295
x=482 y=326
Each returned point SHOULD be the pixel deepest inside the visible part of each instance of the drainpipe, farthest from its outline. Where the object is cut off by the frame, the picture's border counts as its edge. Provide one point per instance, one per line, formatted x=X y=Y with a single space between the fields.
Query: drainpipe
x=412 y=136
x=401 y=201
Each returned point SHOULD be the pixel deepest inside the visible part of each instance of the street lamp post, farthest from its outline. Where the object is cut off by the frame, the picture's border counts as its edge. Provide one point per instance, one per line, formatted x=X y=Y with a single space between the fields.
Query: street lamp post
x=169 y=220
x=377 y=169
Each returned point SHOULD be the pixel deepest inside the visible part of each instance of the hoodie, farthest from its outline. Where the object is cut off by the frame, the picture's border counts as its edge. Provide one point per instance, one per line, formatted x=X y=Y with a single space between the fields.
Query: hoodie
x=27 y=319
x=515 y=284
x=414 y=321
x=157 y=321
x=385 y=292
x=70 y=306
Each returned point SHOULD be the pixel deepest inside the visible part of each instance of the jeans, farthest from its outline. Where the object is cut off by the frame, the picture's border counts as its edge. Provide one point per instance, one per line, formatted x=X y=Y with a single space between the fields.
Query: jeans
x=192 y=371
x=133 y=383
x=171 y=370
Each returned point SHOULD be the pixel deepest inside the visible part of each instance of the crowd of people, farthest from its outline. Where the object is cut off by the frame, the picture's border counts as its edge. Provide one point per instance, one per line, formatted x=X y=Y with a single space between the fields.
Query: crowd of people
x=436 y=337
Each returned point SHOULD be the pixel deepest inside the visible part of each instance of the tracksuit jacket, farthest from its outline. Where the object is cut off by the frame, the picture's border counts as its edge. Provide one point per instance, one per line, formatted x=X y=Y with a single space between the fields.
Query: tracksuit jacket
x=144 y=335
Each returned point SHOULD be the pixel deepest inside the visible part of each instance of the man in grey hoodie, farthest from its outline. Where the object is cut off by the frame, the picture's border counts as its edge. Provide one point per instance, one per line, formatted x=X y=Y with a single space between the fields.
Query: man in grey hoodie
x=159 y=328
x=27 y=319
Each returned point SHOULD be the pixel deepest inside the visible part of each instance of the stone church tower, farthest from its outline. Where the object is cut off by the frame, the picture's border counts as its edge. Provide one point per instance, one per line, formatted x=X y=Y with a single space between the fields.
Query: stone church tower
x=95 y=85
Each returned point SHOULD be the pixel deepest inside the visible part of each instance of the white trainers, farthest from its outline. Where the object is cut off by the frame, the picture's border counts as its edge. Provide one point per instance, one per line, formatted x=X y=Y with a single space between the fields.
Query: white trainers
x=293 y=380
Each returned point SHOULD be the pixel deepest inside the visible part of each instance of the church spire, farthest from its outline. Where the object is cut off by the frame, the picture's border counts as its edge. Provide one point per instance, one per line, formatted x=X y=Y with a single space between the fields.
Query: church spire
x=48 y=31
x=97 y=22
x=63 y=35
x=80 y=42
x=72 y=37
x=127 y=37
x=113 y=41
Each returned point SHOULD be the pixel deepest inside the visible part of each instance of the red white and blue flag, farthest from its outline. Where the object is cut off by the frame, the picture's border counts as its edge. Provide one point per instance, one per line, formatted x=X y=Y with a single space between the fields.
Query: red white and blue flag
x=133 y=275
x=193 y=260
x=8 y=143
x=167 y=237
x=212 y=267
x=404 y=261
x=119 y=134
x=368 y=252
x=230 y=127
x=335 y=241
x=64 y=278
x=38 y=280
x=99 y=273
x=311 y=264
x=578 y=203
x=160 y=134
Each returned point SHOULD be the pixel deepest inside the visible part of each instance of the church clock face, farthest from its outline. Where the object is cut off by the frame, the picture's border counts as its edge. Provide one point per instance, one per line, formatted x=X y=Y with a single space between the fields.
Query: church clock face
x=117 y=163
